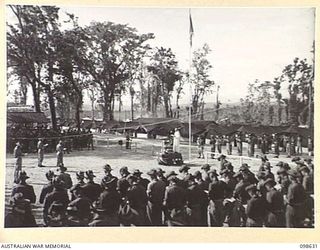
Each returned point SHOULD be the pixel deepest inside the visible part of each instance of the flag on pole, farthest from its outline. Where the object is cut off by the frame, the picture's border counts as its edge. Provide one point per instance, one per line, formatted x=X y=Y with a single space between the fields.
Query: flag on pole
x=190 y=29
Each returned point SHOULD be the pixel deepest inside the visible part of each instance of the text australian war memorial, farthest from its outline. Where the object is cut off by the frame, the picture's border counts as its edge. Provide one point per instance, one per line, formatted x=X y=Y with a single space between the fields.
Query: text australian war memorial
x=111 y=123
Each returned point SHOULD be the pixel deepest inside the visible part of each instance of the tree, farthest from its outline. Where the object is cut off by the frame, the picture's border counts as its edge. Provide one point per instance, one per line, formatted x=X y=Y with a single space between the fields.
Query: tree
x=179 y=92
x=247 y=105
x=200 y=78
x=110 y=49
x=165 y=68
x=31 y=50
x=299 y=75
x=257 y=106
x=70 y=51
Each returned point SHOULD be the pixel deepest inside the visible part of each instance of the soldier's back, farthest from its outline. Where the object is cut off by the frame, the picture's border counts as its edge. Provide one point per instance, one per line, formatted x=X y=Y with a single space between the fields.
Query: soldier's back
x=105 y=221
x=137 y=196
x=45 y=190
x=110 y=200
x=156 y=190
x=13 y=220
x=66 y=178
x=92 y=191
x=26 y=190
x=60 y=196
x=83 y=205
x=175 y=197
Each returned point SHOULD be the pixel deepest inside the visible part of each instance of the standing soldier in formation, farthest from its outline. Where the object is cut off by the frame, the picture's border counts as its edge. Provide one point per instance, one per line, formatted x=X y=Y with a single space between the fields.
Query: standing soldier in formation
x=292 y=146
x=90 y=140
x=252 y=145
x=239 y=143
x=213 y=145
x=295 y=200
x=128 y=139
x=176 y=140
x=276 y=146
x=288 y=147
x=310 y=146
x=218 y=144
x=155 y=192
x=40 y=147
x=274 y=205
x=217 y=189
x=184 y=173
x=264 y=144
x=200 y=144
x=223 y=161
x=285 y=143
x=228 y=145
x=205 y=175
x=299 y=145
x=137 y=199
x=174 y=202
x=17 y=152
x=195 y=200
x=255 y=209
x=59 y=150
x=249 y=142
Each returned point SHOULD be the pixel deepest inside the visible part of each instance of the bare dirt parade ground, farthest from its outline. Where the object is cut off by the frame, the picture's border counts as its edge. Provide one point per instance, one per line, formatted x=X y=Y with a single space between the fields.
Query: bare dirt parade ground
x=143 y=155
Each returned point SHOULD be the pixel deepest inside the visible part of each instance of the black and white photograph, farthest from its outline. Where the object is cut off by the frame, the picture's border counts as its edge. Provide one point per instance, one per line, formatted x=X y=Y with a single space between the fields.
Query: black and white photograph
x=159 y=117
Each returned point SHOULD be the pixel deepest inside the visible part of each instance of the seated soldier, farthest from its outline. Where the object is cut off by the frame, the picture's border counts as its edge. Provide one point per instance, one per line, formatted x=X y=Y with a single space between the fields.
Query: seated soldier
x=20 y=214
x=65 y=177
x=48 y=188
x=24 y=188
x=57 y=215
x=58 y=195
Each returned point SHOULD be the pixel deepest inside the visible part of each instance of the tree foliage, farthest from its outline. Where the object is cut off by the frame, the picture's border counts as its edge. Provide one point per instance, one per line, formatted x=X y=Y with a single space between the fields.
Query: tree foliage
x=200 y=78
x=165 y=69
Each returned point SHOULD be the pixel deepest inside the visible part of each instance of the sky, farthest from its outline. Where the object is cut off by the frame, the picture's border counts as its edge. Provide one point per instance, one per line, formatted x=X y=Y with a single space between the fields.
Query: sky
x=246 y=43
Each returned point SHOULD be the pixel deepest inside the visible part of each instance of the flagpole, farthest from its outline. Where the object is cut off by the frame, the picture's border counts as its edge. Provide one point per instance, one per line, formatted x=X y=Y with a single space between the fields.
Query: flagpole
x=190 y=87
x=190 y=105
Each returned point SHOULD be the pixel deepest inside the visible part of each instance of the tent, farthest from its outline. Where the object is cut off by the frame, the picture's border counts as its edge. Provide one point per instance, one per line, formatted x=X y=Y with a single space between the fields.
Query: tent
x=26 y=117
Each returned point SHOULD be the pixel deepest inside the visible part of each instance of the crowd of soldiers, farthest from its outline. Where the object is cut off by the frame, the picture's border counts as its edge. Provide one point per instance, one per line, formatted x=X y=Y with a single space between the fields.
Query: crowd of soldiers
x=275 y=144
x=73 y=138
x=207 y=197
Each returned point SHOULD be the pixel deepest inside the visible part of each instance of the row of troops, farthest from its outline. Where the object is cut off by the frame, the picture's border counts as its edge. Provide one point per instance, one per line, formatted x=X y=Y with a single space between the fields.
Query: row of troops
x=290 y=145
x=204 y=198
x=61 y=148
x=73 y=140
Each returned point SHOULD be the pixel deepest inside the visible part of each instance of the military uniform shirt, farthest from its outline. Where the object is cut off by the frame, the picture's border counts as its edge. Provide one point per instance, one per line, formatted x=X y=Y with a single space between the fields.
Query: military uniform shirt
x=217 y=190
x=274 y=201
x=92 y=191
x=156 y=191
x=256 y=208
x=45 y=190
x=110 y=200
x=296 y=194
x=175 y=197
x=137 y=196
x=26 y=190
